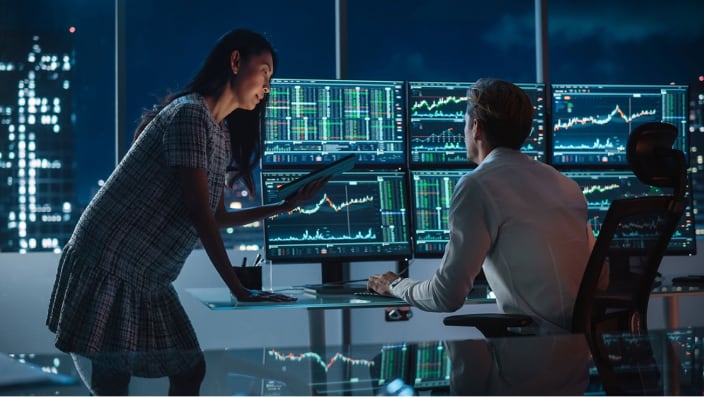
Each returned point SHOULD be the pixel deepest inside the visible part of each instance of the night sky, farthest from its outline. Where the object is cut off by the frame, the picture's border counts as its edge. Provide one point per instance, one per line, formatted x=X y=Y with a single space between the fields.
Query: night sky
x=596 y=41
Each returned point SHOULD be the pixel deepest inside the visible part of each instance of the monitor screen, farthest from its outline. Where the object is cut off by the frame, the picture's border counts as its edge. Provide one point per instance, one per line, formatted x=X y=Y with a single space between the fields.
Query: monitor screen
x=436 y=123
x=357 y=216
x=431 y=193
x=591 y=123
x=318 y=121
x=602 y=187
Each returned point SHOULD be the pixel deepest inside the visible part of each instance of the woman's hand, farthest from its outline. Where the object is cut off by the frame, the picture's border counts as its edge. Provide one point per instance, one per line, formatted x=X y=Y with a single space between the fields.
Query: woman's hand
x=253 y=295
x=304 y=194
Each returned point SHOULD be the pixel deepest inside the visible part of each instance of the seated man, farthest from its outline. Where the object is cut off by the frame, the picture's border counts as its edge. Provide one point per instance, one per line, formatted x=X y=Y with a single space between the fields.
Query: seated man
x=519 y=219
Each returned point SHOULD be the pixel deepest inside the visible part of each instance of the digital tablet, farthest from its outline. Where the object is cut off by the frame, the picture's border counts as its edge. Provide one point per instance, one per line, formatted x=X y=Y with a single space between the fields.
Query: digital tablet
x=336 y=167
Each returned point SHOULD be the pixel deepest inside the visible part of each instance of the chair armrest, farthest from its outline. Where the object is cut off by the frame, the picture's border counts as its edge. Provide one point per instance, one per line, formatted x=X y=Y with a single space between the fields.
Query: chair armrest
x=490 y=324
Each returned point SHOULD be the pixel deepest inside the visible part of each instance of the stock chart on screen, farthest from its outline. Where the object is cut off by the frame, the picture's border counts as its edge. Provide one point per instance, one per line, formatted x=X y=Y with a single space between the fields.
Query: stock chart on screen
x=591 y=123
x=318 y=121
x=358 y=215
x=436 y=122
x=431 y=193
x=602 y=187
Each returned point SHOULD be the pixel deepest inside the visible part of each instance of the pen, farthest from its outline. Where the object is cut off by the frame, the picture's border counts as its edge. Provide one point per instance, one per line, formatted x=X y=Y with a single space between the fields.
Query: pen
x=244 y=261
x=257 y=259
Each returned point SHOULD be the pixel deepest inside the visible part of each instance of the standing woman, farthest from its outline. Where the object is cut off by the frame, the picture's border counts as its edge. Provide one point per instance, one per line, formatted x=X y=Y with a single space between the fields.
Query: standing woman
x=113 y=301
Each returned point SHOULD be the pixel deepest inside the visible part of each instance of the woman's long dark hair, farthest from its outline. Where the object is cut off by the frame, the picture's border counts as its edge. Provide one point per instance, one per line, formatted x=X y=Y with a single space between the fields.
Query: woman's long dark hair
x=244 y=125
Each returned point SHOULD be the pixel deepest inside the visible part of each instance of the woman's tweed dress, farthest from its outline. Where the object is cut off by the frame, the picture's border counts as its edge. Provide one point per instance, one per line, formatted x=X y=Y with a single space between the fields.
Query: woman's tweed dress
x=113 y=296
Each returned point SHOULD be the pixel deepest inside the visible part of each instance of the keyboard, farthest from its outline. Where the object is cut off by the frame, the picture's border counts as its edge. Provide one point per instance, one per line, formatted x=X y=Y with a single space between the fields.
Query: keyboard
x=373 y=293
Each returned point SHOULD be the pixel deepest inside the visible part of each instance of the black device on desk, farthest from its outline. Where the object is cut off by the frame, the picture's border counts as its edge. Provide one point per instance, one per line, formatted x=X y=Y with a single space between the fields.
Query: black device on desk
x=696 y=280
x=353 y=287
x=334 y=289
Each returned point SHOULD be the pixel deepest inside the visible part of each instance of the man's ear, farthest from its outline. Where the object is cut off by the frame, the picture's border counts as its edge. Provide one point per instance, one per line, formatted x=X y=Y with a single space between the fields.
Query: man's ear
x=477 y=130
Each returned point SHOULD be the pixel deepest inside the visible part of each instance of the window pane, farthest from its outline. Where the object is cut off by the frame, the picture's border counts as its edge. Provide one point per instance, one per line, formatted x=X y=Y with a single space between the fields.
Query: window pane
x=163 y=56
x=56 y=117
x=453 y=40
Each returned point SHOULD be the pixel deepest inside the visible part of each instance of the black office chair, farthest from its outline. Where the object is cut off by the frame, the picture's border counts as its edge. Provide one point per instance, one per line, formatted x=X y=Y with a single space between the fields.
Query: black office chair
x=624 y=306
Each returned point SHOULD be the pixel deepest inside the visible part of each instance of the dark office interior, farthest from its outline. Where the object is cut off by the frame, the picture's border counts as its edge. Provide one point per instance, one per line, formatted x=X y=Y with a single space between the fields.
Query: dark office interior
x=594 y=71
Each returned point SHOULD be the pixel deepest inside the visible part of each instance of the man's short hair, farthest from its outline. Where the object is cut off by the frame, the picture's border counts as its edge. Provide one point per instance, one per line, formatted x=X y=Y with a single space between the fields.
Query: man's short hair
x=505 y=110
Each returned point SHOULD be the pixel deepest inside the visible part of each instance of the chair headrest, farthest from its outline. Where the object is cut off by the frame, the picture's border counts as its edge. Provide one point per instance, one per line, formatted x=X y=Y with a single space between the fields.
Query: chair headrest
x=651 y=156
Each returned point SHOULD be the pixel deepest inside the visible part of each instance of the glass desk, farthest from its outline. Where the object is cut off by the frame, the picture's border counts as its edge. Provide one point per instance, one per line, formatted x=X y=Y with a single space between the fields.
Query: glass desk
x=220 y=299
x=659 y=363
x=316 y=305
x=670 y=294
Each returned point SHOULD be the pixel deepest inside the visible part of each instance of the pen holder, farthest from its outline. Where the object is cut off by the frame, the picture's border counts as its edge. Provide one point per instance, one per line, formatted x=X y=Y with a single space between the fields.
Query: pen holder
x=250 y=277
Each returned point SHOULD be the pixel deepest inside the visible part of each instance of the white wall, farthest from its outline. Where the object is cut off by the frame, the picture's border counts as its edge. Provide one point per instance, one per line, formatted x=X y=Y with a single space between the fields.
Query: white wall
x=26 y=282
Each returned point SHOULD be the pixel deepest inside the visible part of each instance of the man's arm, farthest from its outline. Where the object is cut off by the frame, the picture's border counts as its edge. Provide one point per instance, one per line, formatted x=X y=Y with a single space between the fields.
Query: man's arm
x=469 y=242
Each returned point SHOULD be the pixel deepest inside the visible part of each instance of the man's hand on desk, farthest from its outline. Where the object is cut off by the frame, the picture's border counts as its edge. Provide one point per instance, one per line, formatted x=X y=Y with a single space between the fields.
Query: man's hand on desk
x=381 y=283
x=253 y=295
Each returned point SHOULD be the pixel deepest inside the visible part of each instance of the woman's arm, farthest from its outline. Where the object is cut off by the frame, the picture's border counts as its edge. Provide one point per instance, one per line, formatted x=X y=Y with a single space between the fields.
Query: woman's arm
x=246 y=216
x=196 y=197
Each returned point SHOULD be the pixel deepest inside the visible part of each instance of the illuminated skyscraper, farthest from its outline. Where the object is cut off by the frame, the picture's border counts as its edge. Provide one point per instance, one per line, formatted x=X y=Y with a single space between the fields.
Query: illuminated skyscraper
x=37 y=192
x=696 y=128
x=248 y=237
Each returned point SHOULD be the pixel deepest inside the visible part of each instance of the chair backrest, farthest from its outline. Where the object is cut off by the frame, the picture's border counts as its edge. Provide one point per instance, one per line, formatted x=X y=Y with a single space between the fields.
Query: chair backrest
x=654 y=218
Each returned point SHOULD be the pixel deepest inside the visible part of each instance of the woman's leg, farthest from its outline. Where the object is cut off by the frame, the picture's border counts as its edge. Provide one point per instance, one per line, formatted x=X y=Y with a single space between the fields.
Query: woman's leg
x=106 y=380
x=187 y=383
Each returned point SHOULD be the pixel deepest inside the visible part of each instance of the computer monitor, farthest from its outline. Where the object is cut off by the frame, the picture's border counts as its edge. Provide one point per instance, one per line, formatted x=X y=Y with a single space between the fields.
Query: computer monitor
x=317 y=121
x=431 y=193
x=357 y=216
x=591 y=123
x=601 y=187
x=436 y=123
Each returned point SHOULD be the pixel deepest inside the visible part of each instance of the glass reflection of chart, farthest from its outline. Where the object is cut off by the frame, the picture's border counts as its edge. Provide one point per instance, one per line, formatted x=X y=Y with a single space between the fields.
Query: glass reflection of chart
x=432 y=192
x=645 y=364
x=316 y=121
x=333 y=373
x=432 y=366
x=602 y=187
x=357 y=214
x=436 y=111
x=393 y=363
x=591 y=124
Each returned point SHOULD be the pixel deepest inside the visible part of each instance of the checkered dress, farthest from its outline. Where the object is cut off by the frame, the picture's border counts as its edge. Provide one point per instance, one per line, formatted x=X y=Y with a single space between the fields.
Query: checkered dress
x=113 y=292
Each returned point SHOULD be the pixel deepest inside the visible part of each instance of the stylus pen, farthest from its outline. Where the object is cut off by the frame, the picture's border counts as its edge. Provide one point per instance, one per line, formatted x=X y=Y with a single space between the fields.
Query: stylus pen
x=257 y=260
x=244 y=261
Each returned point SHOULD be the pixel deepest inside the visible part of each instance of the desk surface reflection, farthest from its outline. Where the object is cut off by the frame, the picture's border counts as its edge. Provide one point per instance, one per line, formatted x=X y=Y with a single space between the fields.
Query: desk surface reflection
x=659 y=363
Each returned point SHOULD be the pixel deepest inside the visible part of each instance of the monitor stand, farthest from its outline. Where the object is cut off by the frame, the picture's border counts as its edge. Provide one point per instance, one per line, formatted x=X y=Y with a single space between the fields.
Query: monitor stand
x=334 y=271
